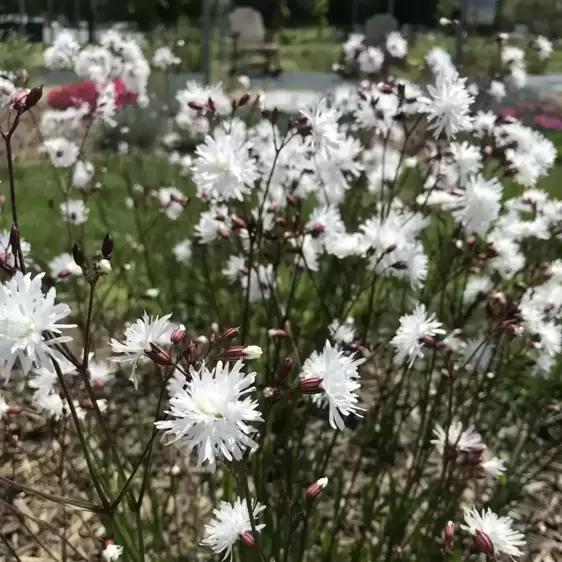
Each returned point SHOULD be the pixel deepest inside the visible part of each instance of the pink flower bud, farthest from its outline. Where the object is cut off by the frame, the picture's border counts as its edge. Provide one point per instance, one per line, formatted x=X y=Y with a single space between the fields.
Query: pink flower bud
x=238 y=222
x=18 y=99
x=449 y=531
x=484 y=543
x=86 y=404
x=285 y=368
x=230 y=333
x=317 y=229
x=316 y=489
x=178 y=334
x=276 y=333
x=159 y=355
x=14 y=409
x=63 y=273
x=311 y=385
x=248 y=539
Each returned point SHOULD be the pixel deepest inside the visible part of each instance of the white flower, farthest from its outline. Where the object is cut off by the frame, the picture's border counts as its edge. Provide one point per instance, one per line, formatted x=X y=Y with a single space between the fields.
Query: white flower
x=63 y=266
x=467 y=157
x=212 y=414
x=82 y=174
x=477 y=285
x=230 y=522
x=4 y=408
x=497 y=90
x=351 y=46
x=25 y=315
x=518 y=77
x=182 y=251
x=511 y=55
x=50 y=404
x=480 y=204
x=463 y=440
x=235 y=268
x=223 y=168
x=212 y=224
x=342 y=331
x=253 y=352
x=409 y=338
x=172 y=201
x=449 y=109
x=543 y=46
x=370 y=60
x=74 y=211
x=325 y=135
x=138 y=337
x=494 y=467
x=396 y=45
x=111 y=552
x=100 y=372
x=339 y=374
x=163 y=58
x=62 y=152
x=499 y=530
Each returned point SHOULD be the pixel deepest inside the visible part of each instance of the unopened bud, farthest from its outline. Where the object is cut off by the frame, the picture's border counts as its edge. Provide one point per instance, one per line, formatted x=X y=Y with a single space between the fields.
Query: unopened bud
x=285 y=368
x=191 y=354
x=86 y=404
x=178 y=334
x=78 y=255
x=312 y=385
x=159 y=355
x=197 y=106
x=84 y=533
x=107 y=246
x=230 y=333
x=291 y=200
x=18 y=100
x=33 y=97
x=243 y=99
x=248 y=539
x=14 y=409
x=238 y=222
x=449 y=532
x=276 y=333
x=484 y=543
x=63 y=273
x=316 y=489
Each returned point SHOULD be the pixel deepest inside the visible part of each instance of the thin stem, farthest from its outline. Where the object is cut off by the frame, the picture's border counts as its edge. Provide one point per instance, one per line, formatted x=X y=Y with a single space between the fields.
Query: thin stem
x=246 y=491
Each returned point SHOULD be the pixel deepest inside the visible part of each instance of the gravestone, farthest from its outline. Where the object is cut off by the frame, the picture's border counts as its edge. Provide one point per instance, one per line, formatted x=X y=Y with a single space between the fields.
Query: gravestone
x=378 y=27
x=246 y=24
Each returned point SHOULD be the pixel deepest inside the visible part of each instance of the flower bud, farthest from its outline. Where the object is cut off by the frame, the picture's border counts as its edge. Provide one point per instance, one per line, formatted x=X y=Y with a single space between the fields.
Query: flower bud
x=18 y=100
x=78 y=255
x=197 y=106
x=178 y=334
x=230 y=333
x=285 y=368
x=33 y=97
x=243 y=99
x=276 y=333
x=248 y=539
x=312 y=385
x=191 y=354
x=238 y=222
x=316 y=489
x=159 y=355
x=449 y=532
x=484 y=543
x=64 y=273
x=253 y=352
x=107 y=246
x=14 y=409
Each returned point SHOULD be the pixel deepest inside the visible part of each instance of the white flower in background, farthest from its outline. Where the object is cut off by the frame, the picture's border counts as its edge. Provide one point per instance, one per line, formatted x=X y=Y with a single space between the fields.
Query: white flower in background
x=309 y=251
x=106 y=105
x=518 y=77
x=351 y=46
x=262 y=281
x=457 y=438
x=493 y=467
x=484 y=123
x=476 y=285
x=497 y=90
x=111 y=552
x=479 y=204
x=370 y=60
x=467 y=158
x=63 y=51
x=183 y=251
x=163 y=58
x=212 y=413
x=74 y=211
x=230 y=522
x=196 y=92
x=244 y=81
x=6 y=250
x=440 y=62
x=513 y=56
x=449 y=109
x=51 y=405
x=26 y=313
x=213 y=224
x=101 y=372
x=413 y=330
x=235 y=268
x=325 y=134
x=64 y=266
x=223 y=168
x=396 y=45
x=339 y=373
x=82 y=174
x=7 y=89
x=342 y=331
x=172 y=201
x=499 y=531
x=543 y=46
x=138 y=337
x=62 y=152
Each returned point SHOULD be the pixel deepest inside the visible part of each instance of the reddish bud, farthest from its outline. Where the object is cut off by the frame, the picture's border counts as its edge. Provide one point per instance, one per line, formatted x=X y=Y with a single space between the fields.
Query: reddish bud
x=243 y=99
x=107 y=246
x=63 y=273
x=18 y=100
x=291 y=200
x=317 y=229
x=191 y=354
x=238 y=222
x=197 y=106
x=86 y=404
x=248 y=539
x=311 y=385
x=484 y=543
x=316 y=489
x=276 y=333
x=212 y=105
x=235 y=352
x=159 y=355
x=285 y=368
x=230 y=333
x=178 y=334
x=449 y=532
x=83 y=533
x=14 y=409
x=470 y=240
